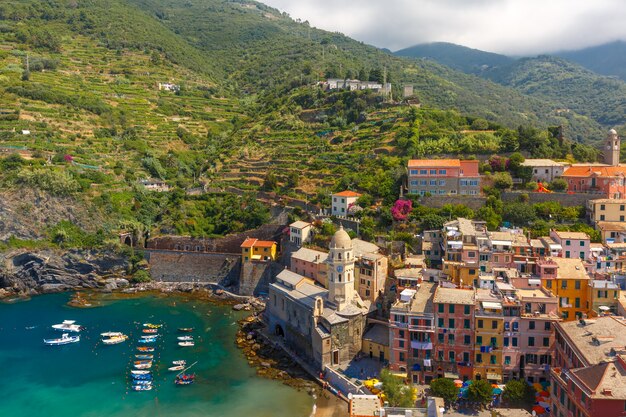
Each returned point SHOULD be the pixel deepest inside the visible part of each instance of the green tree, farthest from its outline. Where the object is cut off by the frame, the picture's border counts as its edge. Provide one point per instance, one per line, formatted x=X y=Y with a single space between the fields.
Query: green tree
x=480 y=391
x=502 y=180
x=519 y=214
x=444 y=388
x=270 y=182
x=559 y=184
x=432 y=222
x=489 y=215
x=517 y=392
x=397 y=394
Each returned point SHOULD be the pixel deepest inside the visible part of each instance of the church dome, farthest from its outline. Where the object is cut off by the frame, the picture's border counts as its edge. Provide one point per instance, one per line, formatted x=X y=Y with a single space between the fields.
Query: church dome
x=341 y=240
x=612 y=132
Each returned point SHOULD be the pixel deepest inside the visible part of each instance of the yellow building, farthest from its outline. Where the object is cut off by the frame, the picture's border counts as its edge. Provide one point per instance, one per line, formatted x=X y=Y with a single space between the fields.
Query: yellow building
x=606 y=210
x=488 y=337
x=604 y=296
x=568 y=280
x=376 y=342
x=462 y=273
x=258 y=250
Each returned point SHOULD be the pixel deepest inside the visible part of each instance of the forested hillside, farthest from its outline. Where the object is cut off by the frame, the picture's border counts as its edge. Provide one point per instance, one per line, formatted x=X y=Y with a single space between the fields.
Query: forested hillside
x=608 y=59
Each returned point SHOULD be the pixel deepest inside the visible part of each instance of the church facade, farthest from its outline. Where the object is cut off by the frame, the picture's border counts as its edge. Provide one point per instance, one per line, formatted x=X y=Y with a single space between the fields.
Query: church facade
x=325 y=326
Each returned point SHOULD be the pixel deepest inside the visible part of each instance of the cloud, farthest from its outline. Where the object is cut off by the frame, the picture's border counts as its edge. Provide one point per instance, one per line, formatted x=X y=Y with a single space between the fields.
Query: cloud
x=514 y=27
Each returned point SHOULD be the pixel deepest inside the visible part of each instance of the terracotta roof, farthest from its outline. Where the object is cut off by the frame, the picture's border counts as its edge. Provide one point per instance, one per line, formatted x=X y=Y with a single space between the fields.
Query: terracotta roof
x=251 y=242
x=615 y=226
x=454 y=296
x=348 y=194
x=572 y=235
x=597 y=170
x=434 y=163
x=606 y=380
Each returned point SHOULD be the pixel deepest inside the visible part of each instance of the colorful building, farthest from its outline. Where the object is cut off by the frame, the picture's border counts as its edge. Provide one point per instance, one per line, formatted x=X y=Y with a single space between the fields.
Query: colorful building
x=376 y=342
x=604 y=296
x=443 y=177
x=545 y=170
x=300 y=232
x=311 y=264
x=574 y=244
x=411 y=330
x=489 y=329
x=454 y=334
x=370 y=275
x=606 y=210
x=342 y=202
x=568 y=280
x=258 y=250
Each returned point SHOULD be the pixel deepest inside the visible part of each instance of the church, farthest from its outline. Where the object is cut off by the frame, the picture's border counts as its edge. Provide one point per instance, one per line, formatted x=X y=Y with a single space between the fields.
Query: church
x=325 y=326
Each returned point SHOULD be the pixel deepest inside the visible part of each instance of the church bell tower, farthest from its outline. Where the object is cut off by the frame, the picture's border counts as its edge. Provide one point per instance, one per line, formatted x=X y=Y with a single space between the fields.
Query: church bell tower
x=341 y=270
x=611 y=148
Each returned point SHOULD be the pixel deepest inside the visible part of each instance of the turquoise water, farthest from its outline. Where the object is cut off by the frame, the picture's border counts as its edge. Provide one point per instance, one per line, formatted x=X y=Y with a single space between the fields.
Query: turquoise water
x=90 y=379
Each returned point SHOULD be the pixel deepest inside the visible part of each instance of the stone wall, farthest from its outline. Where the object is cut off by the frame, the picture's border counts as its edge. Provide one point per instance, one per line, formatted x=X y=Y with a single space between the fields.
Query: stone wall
x=172 y=266
x=256 y=277
x=473 y=202
x=565 y=199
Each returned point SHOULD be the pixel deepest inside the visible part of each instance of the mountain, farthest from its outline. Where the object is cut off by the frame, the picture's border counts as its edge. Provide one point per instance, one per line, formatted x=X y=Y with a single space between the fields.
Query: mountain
x=575 y=88
x=607 y=59
x=461 y=58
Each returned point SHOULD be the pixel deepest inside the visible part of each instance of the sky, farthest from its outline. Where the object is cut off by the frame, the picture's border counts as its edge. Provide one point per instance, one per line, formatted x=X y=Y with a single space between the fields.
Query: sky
x=512 y=27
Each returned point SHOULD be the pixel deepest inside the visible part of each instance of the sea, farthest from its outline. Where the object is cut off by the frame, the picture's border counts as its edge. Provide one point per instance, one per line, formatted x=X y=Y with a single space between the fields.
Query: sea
x=90 y=379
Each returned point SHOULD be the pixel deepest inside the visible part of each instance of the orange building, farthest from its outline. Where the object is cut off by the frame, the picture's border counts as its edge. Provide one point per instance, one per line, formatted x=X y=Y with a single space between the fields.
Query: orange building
x=258 y=250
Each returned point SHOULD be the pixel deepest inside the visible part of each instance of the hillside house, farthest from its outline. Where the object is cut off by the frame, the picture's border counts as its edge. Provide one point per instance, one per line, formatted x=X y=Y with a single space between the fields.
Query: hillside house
x=443 y=177
x=342 y=202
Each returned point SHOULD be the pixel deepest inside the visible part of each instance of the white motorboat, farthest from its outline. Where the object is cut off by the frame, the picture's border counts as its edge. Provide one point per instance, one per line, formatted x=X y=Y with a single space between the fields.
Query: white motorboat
x=150 y=336
x=143 y=365
x=65 y=339
x=139 y=372
x=176 y=368
x=113 y=338
x=180 y=362
x=184 y=338
x=68 y=326
x=186 y=344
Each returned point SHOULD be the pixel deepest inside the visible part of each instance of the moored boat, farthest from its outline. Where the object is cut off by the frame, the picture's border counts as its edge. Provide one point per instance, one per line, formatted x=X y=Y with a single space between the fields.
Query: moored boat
x=186 y=344
x=185 y=329
x=142 y=387
x=138 y=372
x=140 y=382
x=65 y=339
x=150 y=330
x=183 y=338
x=152 y=326
x=113 y=338
x=146 y=377
x=147 y=365
x=184 y=379
x=68 y=326
x=145 y=348
x=180 y=362
x=176 y=368
x=144 y=357
x=147 y=340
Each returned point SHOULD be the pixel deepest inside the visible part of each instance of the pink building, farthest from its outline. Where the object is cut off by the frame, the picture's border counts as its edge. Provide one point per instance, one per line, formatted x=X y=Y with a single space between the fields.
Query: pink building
x=574 y=244
x=311 y=264
x=411 y=330
x=443 y=177
x=454 y=334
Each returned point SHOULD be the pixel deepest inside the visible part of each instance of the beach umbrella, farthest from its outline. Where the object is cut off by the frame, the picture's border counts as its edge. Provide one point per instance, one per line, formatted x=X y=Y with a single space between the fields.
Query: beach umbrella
x=545 y=384
x=467 y=383
x=458 y=381
x=539 y=409
x=458 y=385
x=544 y=394
x=537 y=386
x=496 y=391
x=544 y=404
x=540 y=399
x=494 y=385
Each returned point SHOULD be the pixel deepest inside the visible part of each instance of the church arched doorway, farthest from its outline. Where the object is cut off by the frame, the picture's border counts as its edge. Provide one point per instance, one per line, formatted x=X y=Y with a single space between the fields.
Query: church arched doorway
x=278 y=331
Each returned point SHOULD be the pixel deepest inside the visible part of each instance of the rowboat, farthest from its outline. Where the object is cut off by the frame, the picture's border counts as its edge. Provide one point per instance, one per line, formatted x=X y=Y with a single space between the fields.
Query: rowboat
x=143 y=365
x=146 y=377
x=139 y=382
x=186 y=344
x=180 y=362
x=138 y=372
x=140 y=362
x=147 y=340
x=144 y=356
x=176 y=368
x=68 y=326
x=183 y=338
x=111 y=334
x=185 y=329
x=149 y=336
x=152 y=326
x=184 y=379
x=65 y=339
x=145 y=348
x=142 y=387
x=150 y=330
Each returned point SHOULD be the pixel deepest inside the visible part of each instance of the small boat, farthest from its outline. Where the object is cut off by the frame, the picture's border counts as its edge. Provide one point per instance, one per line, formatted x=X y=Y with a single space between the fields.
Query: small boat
x=183 y=338
x=185 y=329
x=151 y=340
x=113 y=338
x=65 y=339
x=146 y=377
x=143 y=365
x=176 y=368
x=145 y=348
x=152 y=326
x=149 y=336
x=184 y=379
x=137 y=372
x=144 y=357
x=68 y=326
x=150 y=330
x=186 y=344
x=140 y=382
x=180 y=362
x=143 y=361
x=142 y=387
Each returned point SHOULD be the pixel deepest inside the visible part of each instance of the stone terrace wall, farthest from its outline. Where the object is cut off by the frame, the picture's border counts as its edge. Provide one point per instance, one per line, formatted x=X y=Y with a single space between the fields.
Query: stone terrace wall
x=473 y=202
x=565 y=199
x=168 y=266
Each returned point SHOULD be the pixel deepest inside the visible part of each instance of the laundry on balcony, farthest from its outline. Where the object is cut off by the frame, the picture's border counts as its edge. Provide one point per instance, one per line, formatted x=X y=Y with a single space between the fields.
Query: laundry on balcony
x=417 y=367
x=427 y=362
x=486 y=349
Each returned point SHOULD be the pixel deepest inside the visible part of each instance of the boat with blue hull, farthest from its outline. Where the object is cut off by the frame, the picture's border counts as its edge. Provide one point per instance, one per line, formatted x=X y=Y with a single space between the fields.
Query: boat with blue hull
x=65 y=339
